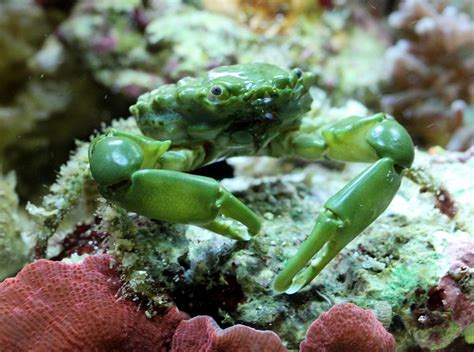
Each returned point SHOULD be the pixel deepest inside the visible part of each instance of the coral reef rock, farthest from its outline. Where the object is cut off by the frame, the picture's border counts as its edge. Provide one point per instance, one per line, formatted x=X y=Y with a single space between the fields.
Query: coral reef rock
x=397 y=267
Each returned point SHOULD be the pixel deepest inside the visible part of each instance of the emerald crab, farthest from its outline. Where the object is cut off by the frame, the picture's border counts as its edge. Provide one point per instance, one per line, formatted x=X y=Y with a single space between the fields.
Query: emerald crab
x=249 y=109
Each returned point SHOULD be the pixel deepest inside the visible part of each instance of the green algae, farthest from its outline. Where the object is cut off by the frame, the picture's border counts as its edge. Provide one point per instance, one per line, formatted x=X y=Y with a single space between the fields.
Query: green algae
x=14 y=245
x=469 y=334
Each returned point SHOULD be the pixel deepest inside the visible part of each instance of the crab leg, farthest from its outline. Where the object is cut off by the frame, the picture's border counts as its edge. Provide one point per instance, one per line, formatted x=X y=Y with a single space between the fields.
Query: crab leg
x=378 y=138
x=124 y=165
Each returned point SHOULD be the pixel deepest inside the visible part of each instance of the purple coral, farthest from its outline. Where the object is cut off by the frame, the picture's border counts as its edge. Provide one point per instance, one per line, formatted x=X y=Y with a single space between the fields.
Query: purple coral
x=428 y=89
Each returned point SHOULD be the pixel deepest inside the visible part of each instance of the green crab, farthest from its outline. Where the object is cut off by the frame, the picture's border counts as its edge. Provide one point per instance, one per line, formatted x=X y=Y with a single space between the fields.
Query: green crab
x=252 y=109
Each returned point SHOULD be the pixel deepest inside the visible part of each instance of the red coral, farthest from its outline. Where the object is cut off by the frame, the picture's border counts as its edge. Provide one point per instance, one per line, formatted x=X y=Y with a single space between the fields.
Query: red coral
x=55 y=306
x=346 y=327
x=202 y=334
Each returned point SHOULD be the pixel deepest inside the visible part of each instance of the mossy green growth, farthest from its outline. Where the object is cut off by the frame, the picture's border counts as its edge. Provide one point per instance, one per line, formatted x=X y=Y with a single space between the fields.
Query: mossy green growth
x=414 y=264
x=14 y=248
x=469 y=334
x=139 y=48
x=43 y=106
x=73 y=185
x=148 y=253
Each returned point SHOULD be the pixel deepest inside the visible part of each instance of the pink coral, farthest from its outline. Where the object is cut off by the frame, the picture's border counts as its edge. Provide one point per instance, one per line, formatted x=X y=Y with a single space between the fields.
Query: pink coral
x=55 y=306
x=346 y=327
x=202 y=334
x=455 y=284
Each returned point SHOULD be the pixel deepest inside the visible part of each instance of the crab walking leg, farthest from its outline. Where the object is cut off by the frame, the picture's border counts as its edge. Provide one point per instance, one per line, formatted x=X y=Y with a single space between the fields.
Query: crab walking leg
x=359 y=203
x=341 y=219
x=122 y=165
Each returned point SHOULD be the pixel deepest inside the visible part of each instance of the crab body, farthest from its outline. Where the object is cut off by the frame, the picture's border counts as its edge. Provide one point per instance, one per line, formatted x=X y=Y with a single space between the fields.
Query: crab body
x=253 y=109
x=231 y=110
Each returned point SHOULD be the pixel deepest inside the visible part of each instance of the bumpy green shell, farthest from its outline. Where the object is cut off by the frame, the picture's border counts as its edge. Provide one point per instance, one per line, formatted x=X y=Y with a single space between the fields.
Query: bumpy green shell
x=235 y=109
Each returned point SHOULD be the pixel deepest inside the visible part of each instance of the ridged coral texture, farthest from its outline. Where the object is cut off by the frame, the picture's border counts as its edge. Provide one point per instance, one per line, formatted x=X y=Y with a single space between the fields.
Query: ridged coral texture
x=55 y=306
x=347 y=328
x=202 y=334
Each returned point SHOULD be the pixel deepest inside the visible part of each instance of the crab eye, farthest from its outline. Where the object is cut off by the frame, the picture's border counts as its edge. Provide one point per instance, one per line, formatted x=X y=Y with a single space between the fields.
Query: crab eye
x=216 y=91
x=299 y=73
